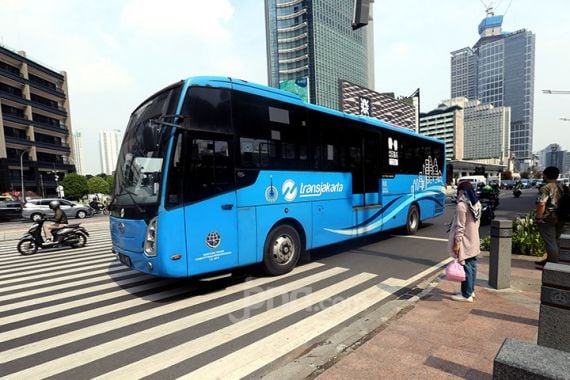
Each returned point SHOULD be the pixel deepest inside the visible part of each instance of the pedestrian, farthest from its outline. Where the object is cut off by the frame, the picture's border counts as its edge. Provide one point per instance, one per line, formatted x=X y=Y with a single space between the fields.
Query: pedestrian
x=546 y=218
x=463 y=241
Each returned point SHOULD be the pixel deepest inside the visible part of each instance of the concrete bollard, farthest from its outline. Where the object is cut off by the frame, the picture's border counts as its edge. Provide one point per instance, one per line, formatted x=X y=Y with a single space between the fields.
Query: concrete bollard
x=554 y=318
x=500 y=254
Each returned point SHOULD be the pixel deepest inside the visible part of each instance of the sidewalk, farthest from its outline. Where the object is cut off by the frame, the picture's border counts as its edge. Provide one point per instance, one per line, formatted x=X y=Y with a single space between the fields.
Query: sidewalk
x=444 y=339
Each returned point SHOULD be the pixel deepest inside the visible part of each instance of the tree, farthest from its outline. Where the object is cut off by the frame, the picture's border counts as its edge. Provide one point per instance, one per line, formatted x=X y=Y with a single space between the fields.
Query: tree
x=525 y=175
x=111 y=181
x=98 y=185
x=507 y=174
x=102 y=175
x=74 y=186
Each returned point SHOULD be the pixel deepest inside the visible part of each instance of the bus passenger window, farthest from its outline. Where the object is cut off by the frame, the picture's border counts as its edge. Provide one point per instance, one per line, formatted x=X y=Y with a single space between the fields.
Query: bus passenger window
x=211 y=170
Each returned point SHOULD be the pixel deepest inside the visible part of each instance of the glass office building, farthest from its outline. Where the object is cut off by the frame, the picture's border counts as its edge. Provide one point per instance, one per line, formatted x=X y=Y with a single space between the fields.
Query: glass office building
x=499 y=70
x=311 y=47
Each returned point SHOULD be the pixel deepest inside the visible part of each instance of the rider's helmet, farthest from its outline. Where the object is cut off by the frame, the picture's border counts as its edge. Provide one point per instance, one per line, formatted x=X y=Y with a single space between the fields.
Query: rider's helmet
x=54 y=205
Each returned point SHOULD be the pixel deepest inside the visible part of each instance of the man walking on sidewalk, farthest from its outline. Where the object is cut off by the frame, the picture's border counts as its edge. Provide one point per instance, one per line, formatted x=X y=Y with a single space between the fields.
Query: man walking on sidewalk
x=546 y=218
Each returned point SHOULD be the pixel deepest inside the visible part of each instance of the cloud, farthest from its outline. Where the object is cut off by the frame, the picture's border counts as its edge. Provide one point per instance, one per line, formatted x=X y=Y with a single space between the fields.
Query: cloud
x=205 y=19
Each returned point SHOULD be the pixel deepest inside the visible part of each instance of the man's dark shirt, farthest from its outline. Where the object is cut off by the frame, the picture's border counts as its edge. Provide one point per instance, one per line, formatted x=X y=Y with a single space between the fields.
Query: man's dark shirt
x=60 y=217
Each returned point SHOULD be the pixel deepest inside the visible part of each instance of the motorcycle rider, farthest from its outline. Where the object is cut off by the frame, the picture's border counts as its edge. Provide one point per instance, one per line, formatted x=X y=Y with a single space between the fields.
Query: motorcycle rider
x=94 y=205
x=59 y=218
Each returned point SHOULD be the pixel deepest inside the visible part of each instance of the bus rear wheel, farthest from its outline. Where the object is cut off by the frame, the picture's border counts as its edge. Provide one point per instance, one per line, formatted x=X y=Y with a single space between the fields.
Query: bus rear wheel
x=282 y=250
x=413 y=220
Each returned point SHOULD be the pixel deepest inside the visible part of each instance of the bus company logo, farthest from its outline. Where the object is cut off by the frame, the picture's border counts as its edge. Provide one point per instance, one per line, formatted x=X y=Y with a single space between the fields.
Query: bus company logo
x=213 y=240
x=318 y=189
x=271 y=194
x=392 y=152
x=289 y=190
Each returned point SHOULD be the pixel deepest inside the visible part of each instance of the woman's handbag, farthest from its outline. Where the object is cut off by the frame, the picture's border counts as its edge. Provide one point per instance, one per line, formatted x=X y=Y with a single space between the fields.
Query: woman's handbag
x=455 y=272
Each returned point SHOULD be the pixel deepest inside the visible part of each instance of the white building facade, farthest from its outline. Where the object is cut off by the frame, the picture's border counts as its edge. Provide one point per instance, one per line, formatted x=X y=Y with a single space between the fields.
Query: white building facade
x=78 y=153
x=109 y=145
x=486 y=135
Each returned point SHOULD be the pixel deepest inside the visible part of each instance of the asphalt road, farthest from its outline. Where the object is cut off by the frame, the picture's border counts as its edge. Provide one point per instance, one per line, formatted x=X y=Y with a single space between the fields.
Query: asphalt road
x=81 y=314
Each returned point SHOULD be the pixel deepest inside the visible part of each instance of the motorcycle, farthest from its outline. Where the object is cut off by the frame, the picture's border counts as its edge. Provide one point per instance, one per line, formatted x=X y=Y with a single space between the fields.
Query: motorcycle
x=68 y=235
x=487 y=211
x=102 y=209
x=517 y=193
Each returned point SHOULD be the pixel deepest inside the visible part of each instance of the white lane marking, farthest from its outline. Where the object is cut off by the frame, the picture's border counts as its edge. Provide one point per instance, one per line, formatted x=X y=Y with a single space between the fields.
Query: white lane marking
x=99 y=328
x=68 y=362
x=174 y=355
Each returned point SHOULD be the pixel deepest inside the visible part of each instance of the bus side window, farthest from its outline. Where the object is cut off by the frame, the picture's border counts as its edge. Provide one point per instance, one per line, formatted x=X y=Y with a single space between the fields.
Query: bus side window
x=210 y=171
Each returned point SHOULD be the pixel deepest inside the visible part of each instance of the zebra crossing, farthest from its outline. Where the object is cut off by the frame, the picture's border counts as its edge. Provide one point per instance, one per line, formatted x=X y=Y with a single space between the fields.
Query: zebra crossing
x=79 y=313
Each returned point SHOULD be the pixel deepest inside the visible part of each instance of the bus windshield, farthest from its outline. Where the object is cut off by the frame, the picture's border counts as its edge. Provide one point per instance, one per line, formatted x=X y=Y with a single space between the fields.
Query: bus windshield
x=140 y=163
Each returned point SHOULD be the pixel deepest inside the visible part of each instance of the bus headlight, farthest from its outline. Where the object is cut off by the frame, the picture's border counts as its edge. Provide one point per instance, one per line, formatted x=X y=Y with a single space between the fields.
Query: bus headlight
x=150 y=239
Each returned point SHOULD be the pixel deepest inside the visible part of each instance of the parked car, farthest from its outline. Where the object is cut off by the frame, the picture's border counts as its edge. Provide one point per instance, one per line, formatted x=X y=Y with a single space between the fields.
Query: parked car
x=10 y=210
x=37 y=208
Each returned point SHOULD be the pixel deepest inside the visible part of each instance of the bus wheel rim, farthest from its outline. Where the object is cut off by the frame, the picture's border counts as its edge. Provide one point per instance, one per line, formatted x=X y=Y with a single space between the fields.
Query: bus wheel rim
x=283 y=249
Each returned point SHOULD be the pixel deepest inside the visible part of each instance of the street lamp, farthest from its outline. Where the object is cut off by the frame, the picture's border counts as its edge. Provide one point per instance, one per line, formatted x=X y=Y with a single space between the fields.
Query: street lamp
x=22 y=173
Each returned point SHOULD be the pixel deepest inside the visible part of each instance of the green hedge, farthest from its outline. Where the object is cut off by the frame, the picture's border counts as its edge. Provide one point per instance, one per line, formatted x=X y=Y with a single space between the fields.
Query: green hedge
x=526 y=238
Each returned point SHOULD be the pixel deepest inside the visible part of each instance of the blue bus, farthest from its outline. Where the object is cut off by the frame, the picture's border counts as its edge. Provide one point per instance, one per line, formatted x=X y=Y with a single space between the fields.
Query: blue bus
x=216 y=173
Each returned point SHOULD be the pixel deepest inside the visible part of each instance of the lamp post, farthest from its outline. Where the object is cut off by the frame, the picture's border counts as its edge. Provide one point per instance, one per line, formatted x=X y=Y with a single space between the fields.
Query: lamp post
x=22 y=173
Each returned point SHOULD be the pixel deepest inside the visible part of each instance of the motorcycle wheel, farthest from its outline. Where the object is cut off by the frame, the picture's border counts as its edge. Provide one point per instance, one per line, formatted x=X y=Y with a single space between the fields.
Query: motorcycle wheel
x=80 y=240
x=27 y=247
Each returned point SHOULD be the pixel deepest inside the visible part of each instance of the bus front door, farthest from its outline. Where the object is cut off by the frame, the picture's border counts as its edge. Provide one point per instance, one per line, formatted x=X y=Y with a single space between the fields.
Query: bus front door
x=212 y=234
x=211 y=216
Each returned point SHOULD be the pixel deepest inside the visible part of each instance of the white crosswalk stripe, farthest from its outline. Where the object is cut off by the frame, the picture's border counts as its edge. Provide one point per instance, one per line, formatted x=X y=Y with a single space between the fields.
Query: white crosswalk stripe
x=78 y=313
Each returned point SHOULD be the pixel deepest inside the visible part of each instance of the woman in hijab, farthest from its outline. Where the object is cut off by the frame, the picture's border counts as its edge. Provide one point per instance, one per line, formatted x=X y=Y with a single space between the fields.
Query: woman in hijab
x=463 y=241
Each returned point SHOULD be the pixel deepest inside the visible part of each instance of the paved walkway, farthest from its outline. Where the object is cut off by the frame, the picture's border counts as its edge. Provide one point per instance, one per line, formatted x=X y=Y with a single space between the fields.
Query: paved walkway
x=444 y=339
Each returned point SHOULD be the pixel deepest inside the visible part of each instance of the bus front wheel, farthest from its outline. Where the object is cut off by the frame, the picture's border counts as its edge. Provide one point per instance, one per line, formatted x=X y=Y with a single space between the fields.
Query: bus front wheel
x=413 y=220
x=282 y=250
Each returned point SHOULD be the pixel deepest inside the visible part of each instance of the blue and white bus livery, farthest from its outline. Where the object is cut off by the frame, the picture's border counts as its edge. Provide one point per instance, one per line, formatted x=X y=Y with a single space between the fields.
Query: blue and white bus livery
x=216 y=173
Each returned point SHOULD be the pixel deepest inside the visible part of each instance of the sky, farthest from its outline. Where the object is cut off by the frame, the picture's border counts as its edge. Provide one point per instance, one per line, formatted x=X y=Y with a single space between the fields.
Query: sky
x=116 y=53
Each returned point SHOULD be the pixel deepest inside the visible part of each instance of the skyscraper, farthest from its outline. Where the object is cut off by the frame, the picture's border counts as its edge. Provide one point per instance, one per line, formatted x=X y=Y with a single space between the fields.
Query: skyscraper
x=78 y=152
x=499 y=70
x=109 y=145
x=311 y=47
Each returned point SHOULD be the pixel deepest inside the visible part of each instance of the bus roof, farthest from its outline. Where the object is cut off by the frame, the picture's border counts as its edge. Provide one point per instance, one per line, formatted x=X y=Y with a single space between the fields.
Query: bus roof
x=288 y=97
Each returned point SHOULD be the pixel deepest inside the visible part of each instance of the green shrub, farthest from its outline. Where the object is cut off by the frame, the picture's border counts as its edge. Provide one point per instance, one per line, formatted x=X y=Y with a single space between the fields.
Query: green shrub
x=486 y=243
x=526 y=238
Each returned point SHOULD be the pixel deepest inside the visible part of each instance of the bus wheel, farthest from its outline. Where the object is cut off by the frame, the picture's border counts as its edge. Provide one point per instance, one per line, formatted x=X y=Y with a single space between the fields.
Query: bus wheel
x=413 y=220
x=282 y=250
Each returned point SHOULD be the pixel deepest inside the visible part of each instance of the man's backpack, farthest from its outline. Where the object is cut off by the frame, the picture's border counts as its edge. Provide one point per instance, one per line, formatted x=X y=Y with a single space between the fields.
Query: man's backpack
x=563 y=209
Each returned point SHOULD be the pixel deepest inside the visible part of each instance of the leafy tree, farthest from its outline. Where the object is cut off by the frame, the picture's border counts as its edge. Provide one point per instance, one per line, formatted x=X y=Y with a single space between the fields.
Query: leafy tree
x=98 y=185
x=74 y=186
x=111 y=181
x=525 y=175
x=507 y=174
x=102 y=175
x=88 y=176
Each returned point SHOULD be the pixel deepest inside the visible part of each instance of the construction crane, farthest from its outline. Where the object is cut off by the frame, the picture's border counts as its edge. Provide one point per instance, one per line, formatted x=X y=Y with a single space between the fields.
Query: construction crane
x=555 y=92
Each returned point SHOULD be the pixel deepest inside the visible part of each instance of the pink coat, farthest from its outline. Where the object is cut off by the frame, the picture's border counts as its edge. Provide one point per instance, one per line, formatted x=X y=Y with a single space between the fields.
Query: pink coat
x=465 y=231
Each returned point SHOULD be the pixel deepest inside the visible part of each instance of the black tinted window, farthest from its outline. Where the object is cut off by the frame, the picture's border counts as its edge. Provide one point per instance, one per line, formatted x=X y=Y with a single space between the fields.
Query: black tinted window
x=208 y=109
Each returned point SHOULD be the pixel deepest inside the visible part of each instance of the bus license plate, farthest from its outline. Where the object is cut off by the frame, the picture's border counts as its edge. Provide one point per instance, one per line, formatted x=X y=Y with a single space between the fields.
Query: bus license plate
x=125 y=259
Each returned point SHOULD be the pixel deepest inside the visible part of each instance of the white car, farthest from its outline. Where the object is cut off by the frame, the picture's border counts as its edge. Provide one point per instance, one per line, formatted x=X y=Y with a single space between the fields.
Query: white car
x=35 y=209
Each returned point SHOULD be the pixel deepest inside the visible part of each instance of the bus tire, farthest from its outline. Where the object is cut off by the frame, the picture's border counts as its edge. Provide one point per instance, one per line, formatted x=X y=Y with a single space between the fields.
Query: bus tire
x=413 y=220
x=282 y=250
